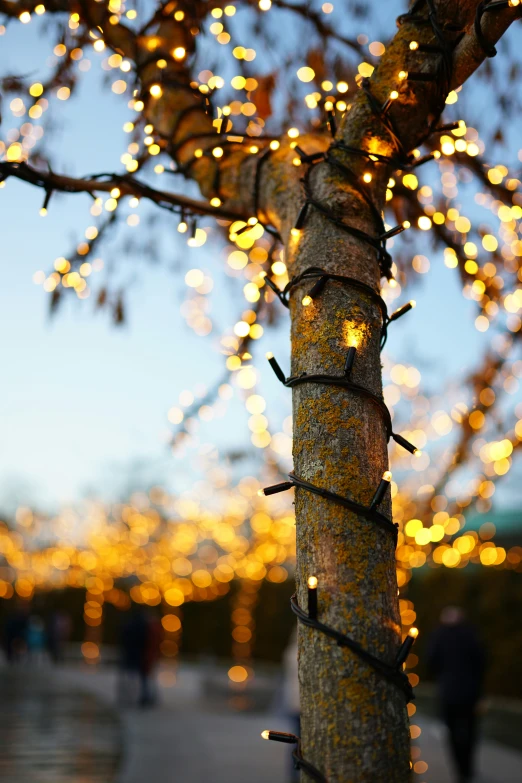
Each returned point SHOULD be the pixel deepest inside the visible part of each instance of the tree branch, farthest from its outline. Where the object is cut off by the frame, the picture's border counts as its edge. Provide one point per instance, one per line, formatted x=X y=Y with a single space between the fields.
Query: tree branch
x=469 y=54
x=316 y=20
x=104 y=183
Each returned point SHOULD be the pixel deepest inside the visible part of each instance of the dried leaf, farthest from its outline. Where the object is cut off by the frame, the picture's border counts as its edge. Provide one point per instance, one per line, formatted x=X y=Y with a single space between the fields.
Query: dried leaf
x=119 y=316
x=263 y=96
x=315 y=60
x=55 y=300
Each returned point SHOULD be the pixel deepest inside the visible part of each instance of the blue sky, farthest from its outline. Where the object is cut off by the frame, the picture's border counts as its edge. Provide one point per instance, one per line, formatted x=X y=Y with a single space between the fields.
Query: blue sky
x=84 y=404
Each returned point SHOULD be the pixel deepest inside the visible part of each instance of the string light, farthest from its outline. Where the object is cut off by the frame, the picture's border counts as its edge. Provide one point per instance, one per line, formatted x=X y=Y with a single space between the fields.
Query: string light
x=486 y=7
x=298 y=759
x=381 y=489
x=367 y=512
x=332 y=125
x=276 y=368
x=406 y=646
x=345 y=382
x=379 y=242
x=320 y=278
x=350 y=358
x=43 y=210
x=402 y=310
x=312 y=597
x=392 y=672
x=279 y=736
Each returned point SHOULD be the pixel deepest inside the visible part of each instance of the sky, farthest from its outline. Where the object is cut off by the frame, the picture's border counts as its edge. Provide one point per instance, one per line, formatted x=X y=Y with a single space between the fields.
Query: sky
x=83 y=406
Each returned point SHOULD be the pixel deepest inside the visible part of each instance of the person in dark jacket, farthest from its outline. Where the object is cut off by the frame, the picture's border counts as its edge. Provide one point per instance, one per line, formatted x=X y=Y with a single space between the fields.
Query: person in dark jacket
x=139 y=652
x=15 y=634
x=456 y=660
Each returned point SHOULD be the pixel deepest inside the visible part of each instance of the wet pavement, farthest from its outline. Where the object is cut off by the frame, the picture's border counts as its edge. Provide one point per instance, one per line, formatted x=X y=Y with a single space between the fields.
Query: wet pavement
x=63 y=725
x=54 y=735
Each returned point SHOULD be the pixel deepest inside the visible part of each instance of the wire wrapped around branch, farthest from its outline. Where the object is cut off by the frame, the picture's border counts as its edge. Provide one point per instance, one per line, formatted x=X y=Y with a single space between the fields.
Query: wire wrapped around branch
x=345 y=382
x=320 y=277
x=393 y=673
x=369 y=513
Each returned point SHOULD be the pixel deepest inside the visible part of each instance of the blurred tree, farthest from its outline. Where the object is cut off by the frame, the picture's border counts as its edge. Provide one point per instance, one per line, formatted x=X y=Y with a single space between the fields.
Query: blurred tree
x=354 y=721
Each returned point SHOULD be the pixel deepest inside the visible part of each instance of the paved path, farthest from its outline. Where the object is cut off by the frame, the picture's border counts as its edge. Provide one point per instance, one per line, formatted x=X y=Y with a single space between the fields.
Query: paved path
x=495 y=762
x=52 y=735
x=187 y=739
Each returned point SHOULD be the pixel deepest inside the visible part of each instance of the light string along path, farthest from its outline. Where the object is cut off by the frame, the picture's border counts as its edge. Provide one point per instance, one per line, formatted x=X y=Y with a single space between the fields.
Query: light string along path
x=442 y=77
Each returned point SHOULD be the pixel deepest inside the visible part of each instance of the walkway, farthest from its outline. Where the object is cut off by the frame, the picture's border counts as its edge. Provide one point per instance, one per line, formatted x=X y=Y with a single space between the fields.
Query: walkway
x=63 y=729
x=495 y=762
x=53 y=735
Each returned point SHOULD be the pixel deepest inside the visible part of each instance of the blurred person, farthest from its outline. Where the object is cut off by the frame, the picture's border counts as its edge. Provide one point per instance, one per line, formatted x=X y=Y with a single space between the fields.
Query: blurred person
x=36 y=639
x=139 y=645
x=152 y=652
x=58 y=632
x=456 y=659
x=291 y=704
x=15 y=634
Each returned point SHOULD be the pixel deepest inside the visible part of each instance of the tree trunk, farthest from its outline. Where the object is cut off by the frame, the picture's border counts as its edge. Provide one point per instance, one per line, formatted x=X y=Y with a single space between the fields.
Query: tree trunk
x=354 y=722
